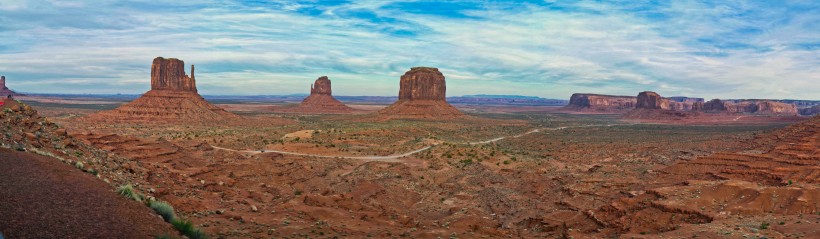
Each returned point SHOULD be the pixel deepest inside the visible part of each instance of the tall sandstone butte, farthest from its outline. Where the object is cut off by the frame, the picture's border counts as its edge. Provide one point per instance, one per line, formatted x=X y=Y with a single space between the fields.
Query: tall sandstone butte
x=320 y=99
x=169 y=74
x=173 y=98
x=5 y=91
x=422 y=92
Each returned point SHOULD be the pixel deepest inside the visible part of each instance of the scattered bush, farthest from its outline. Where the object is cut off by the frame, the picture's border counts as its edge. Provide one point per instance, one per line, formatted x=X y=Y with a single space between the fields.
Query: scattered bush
x=163 y=209
x=128 y=191
x=187 y=228
x=79 y=165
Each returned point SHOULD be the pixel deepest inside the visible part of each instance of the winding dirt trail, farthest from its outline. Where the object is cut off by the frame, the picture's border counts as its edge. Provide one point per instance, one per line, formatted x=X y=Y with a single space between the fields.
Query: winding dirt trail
x=396 y=157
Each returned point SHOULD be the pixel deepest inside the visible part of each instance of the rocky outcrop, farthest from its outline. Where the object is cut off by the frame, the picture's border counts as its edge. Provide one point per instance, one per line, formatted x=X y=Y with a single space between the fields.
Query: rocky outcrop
x=651 y=106
x=320 y=99
x=422 y=93
x=173 y=98
x=5 y=92
x=651 y=100
x=763 y=107
x=600 y=103
x=169 y=74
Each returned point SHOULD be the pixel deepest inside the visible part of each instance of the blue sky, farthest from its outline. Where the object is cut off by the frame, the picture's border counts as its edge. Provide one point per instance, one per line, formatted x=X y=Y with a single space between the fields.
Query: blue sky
x=547 y=48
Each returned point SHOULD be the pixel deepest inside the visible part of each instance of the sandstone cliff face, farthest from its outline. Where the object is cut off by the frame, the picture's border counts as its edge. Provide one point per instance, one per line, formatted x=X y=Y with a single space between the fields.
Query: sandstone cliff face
x=422 y=83
x=173 y=98
x=321 y=86
x=320 y=99
x=169 y=74
x=604 y=103
x=651 y=100
x=421 y=95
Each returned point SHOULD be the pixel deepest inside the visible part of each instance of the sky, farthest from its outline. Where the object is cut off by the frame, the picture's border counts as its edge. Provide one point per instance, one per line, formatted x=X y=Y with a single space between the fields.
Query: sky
x=546 y=48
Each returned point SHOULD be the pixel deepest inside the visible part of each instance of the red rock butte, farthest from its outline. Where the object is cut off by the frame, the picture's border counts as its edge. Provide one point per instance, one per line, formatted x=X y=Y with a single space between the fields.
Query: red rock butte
x=422 y=95
x=173 y=98
x=5 y=91
x=320 y=99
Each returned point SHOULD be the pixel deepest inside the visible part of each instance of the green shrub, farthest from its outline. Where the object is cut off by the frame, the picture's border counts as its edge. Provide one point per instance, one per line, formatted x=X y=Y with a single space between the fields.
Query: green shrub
x=163 y=209
x=187 y=228
x=128 y=191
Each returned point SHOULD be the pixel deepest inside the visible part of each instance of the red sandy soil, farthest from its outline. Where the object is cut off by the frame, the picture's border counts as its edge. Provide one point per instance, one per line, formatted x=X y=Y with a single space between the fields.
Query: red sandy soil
x=44 y=198
x=700 y=118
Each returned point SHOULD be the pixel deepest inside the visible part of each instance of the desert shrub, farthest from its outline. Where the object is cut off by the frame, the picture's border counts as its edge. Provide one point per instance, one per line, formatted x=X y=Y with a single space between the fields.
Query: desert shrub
x=163 y=209
x=128 y=191
x=79 y=165
x=188 y=229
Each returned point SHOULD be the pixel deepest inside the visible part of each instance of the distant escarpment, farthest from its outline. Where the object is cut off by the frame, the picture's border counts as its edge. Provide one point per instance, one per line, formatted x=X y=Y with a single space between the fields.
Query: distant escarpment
x=320 y=99
x=421 y=95
x=761 y=107
x=814 y=110
x=600 y=103
x=173 y=97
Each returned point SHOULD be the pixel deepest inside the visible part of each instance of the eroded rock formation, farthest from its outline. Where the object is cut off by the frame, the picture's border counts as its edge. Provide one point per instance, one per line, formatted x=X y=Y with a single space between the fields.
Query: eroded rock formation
x=651 y=100
x=169 y=74
x=765 y=107
x=320 y=99
x=5 y=91
x=601 y=103
x=173 y=97
x=422 y=93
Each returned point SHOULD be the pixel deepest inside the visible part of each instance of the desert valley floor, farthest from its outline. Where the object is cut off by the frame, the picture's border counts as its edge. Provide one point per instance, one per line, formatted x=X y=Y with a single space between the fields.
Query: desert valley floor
x=498 y=172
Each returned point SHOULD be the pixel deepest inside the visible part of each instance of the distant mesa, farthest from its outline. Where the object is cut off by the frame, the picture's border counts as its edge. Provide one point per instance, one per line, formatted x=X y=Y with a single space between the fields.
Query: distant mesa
x=173 y=97
x=600 y=103
x=760 y=107
x=5 y=92
x=422 y=92
x=320 y=99
x=651 y=106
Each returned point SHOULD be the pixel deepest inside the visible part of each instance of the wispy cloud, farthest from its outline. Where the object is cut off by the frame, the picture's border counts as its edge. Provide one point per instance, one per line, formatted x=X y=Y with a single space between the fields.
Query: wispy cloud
x=732 y=49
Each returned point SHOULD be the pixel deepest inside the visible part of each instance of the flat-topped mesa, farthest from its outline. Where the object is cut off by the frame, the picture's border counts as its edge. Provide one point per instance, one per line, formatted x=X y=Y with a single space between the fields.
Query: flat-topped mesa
x=422 y=93
x=651 y=100
x=422 y=83
x=597 y=102
x=763 y=107
x=321 y=86
x=169 y=74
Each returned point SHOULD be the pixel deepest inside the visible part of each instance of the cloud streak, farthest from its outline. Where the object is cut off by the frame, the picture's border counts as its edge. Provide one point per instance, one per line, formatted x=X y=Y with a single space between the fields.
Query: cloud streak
x=737 y=49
